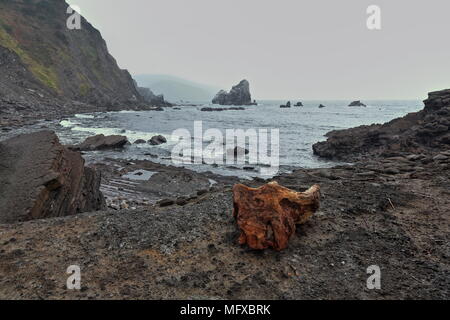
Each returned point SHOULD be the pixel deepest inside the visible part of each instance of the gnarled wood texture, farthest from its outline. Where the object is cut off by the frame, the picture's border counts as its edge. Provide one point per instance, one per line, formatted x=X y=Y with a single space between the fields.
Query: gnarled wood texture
x=267 y=216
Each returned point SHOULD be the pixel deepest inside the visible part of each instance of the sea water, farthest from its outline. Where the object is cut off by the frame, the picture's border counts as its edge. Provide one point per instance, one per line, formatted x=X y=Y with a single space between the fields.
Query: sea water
x=299 y=128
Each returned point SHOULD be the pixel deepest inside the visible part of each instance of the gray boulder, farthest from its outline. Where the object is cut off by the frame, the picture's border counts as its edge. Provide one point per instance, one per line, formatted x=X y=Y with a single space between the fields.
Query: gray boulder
x=101 y=142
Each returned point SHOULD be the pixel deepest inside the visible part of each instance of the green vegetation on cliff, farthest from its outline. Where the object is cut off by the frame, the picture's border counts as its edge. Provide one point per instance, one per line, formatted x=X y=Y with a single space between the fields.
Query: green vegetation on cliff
x=73 y=64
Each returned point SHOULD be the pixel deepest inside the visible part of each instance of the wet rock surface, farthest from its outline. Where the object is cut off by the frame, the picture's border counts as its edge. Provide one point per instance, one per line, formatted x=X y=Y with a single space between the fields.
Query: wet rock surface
x=157 y=140
x=101 y=142
x=39 y=178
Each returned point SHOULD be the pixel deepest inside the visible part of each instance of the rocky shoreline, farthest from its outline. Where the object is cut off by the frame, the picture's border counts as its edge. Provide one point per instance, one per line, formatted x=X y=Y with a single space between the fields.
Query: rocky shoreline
x=169 y=233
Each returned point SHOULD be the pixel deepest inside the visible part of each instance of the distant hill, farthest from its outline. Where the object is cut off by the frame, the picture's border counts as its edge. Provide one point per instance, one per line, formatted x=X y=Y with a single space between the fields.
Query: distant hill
x=176 y=89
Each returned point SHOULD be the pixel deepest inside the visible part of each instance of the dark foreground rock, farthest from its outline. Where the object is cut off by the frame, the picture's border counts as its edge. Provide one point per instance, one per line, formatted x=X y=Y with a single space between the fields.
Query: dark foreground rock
x=101 y=142
x=238 y=96
x=423 y=131
x=40 y=178
x=321 y=106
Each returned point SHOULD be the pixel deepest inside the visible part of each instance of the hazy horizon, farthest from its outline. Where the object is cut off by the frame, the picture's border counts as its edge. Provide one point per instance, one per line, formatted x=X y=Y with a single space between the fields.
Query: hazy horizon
x=288 y=49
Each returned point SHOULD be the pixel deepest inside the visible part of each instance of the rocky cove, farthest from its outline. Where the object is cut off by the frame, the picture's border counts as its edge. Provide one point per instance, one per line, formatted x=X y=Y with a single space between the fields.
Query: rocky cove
x=171 y=234
x=87 y=180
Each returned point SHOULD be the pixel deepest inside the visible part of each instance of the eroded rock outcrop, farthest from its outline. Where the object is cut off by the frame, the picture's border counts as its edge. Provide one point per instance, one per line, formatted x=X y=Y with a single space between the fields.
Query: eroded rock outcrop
x=40 y=178
x=423 y=131
x=238 y=96
x=267 y=216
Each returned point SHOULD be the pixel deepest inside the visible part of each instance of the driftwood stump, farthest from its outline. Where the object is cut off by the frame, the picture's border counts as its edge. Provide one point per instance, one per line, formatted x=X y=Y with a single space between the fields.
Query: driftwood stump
x=267 y=216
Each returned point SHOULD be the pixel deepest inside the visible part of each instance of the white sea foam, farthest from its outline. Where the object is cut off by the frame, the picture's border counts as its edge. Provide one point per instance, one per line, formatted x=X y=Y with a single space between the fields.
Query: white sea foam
x=84 y=116
x=68 y=123
x=132 y=136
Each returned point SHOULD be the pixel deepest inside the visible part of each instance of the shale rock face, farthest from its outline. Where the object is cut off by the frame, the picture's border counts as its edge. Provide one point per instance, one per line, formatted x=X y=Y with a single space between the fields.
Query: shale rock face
x=423 y=131
x=40 y=178
x=267 y=216
x=238 y=96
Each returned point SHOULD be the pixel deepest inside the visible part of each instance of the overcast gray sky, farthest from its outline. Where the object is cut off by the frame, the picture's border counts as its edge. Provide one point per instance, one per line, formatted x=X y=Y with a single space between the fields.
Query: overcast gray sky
x=287 y=49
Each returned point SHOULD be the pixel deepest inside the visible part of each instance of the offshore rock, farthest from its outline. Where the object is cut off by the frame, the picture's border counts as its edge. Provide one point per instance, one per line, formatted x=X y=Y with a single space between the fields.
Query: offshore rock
x=238 y=96
x=357 y=104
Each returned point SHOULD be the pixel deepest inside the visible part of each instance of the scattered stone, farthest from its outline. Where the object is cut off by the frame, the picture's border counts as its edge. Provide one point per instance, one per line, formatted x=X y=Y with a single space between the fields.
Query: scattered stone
x=239 y=152
x=166 y=202
x=157 y=140
x=140 y=141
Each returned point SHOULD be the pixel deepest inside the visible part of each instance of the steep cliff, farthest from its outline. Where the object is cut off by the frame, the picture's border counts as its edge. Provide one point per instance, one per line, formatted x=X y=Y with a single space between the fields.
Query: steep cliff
x=41 y=57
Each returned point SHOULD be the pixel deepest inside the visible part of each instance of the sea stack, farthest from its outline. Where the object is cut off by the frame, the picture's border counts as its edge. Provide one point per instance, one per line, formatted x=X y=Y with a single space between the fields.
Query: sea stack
x=239 y=95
